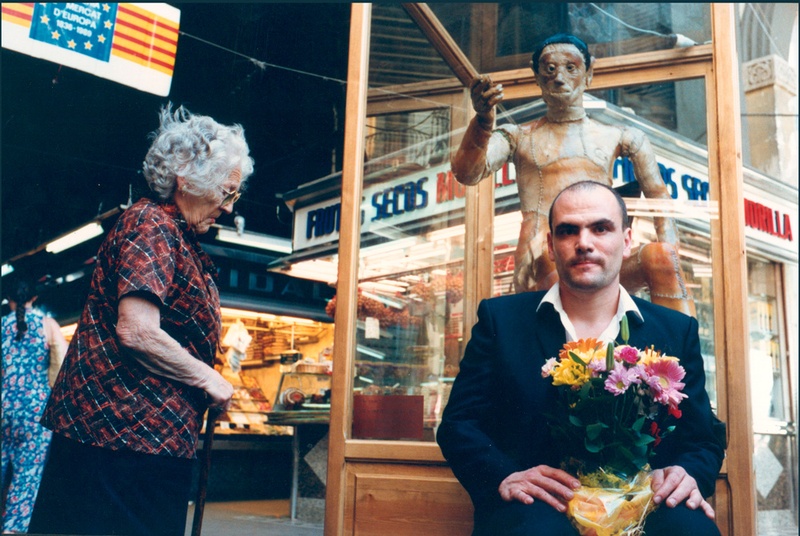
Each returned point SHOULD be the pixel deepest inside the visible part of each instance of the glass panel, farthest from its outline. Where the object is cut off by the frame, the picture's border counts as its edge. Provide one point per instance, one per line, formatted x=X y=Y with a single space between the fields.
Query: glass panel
x=775 y=437
x=502 y=36
x=416 y=137
x=768 y=390
x=410 y=274
x=674 y=106
x=663 y=118
x=520 y=27
x=399 y=52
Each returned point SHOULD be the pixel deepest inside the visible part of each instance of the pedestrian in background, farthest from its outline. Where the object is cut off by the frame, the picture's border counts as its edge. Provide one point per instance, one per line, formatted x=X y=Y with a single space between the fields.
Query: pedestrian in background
x=33 y=349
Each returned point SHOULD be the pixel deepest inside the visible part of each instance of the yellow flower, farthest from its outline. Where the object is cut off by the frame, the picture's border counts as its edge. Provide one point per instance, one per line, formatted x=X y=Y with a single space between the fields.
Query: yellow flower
x=569 y=372
x=649 y=356
x=590 y=354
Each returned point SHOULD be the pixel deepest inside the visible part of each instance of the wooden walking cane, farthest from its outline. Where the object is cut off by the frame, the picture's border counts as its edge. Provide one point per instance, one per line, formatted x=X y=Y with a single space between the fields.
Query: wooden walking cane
x=205 y=465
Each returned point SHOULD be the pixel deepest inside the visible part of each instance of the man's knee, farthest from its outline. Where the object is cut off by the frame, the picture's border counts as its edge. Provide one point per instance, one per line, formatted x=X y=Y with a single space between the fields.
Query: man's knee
x=517 y=519
x=679 y=521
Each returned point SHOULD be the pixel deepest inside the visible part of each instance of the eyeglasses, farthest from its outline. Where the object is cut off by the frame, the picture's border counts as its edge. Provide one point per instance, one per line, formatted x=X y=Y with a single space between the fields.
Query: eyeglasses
x=229 y=198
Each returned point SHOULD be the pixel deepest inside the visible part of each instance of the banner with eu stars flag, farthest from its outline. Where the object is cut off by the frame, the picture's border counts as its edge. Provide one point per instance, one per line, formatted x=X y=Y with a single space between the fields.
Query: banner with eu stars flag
x=133 y=44
x=87 y=29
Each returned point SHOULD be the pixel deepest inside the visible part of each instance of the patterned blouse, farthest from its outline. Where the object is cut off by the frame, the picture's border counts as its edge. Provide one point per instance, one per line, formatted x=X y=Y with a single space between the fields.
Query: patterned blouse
x=105 y=397
x=25 y=363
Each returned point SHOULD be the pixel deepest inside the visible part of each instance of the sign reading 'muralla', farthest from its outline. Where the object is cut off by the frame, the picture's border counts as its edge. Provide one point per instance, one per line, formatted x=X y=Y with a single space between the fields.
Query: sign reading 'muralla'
x=765 y=219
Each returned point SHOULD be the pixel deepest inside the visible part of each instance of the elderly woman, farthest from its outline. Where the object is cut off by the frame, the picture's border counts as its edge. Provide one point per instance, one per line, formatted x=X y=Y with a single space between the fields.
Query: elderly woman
x=127 y=407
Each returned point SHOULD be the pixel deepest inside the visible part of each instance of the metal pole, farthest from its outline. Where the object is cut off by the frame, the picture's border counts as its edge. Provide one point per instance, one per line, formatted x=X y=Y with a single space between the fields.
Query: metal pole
x=295 y=476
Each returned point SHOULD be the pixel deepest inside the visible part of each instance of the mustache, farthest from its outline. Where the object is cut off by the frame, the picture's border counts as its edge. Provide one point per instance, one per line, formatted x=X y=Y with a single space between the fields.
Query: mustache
x=586 y=258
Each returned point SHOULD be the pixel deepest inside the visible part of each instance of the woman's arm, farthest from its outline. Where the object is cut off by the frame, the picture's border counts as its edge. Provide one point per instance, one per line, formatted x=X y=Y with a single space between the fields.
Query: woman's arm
x=139 y=331
x=58 y=348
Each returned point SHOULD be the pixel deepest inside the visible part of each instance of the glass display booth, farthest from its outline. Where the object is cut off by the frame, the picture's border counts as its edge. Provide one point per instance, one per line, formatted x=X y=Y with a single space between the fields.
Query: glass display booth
x=412 y=252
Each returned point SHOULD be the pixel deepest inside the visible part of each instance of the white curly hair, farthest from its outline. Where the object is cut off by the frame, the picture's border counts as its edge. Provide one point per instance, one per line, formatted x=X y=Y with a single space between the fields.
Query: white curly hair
x=197 y=148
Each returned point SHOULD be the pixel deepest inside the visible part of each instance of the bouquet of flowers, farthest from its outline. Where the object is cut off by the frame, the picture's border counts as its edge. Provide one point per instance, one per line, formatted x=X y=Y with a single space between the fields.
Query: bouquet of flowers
x=615 y=404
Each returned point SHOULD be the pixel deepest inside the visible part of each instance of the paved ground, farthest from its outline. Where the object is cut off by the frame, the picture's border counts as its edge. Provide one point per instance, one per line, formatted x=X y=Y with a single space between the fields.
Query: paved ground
x=251 y=517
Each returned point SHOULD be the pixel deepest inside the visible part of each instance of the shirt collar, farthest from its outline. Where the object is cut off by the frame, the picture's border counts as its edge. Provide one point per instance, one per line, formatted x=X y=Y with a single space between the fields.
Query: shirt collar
x=172 y=210
x=175 y=214
x=625 y=305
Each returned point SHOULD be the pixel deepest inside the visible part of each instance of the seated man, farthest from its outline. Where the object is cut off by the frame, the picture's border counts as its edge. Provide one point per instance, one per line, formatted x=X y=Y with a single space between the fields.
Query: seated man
x=493 y=433
x=551 y=152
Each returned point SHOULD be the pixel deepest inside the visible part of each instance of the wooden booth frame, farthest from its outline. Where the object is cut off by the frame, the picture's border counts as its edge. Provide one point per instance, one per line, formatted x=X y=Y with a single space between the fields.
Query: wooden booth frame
x=405 y=487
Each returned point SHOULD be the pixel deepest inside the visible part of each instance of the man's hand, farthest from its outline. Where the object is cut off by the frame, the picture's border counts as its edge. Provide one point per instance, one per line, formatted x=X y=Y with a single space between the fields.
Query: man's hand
x=675 y=485
x=485 y=95
x=542 y=482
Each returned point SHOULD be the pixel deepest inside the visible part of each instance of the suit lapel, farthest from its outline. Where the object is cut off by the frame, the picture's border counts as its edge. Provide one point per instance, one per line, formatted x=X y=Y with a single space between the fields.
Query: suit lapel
x=638 y=336
x=548 y=332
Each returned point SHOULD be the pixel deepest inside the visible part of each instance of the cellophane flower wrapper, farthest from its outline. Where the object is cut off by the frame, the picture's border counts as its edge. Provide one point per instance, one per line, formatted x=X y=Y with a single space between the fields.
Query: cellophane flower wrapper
x=601 y=508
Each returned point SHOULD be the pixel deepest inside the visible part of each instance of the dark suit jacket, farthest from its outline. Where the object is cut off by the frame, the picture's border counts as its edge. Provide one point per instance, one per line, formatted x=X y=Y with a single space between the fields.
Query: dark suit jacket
x=493 y=424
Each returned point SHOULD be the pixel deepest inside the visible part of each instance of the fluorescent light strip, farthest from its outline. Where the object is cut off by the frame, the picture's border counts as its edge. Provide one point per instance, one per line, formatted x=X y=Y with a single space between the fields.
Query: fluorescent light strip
x=392 y=287
x=675 y=208
x=78 y=236
x=272 y=243
x=316 y=270
x=383 y=300
x=295 y=320
x=227 y=311
x=448 y=232
x=370 y=352
x=702 y=270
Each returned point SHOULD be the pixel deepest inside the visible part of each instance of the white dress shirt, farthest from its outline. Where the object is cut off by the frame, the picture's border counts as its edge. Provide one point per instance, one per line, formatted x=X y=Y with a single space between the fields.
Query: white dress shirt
x=612 y=330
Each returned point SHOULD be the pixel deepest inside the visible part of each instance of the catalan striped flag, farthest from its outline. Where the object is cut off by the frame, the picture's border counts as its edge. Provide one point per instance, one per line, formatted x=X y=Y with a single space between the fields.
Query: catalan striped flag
x=133 y=44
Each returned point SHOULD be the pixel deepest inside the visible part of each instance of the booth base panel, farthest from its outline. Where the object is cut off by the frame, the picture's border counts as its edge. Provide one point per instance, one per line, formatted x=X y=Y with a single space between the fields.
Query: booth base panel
x=247 y=468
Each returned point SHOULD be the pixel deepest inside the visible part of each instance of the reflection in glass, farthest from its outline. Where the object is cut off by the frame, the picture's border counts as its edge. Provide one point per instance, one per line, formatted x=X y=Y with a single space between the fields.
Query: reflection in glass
x=411 y=259
x=775 y=438
x=766 y=361
x=502 y=36
x=419 y=137
x=409 y=321
x=399 y=52
x=521 y=26
x=674 y=106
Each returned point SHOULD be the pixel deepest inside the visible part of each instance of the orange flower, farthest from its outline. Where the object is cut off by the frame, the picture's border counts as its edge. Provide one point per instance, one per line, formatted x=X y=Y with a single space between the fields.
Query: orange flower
x=583 y=347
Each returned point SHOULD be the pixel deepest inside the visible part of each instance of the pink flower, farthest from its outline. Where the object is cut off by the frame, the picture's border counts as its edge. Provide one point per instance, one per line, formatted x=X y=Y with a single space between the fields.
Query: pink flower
x=637 y=374
x=597 y=366
x=664 y=378
x=627 y=354
x=620 y=379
